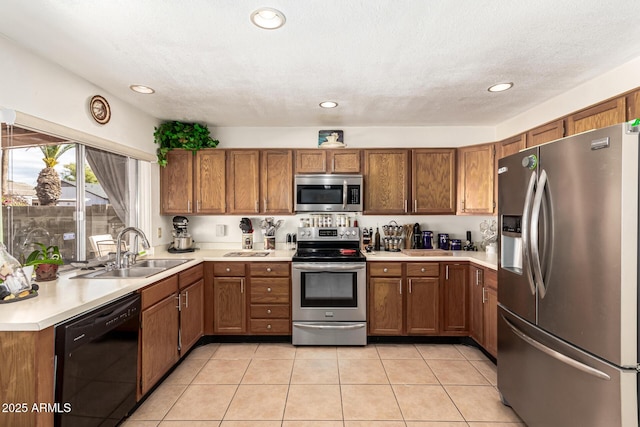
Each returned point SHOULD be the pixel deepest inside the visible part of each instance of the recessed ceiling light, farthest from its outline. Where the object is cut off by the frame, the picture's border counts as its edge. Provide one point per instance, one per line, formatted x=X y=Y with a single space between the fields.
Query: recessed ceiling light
x=500 y=87
x=328 y=104
x=268 y=18
x=142 y=89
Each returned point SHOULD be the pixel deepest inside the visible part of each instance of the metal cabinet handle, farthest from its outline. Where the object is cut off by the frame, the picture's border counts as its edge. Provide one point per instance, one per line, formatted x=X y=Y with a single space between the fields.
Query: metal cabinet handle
x=477 y=276
x=484 y=295
x=415 y=205
x=385 y=270
x=188 y=205
x=268 y=269
x=400 y=286
x=265 y=204
x=228 y=269
x=257 y=206
x=269 y=326
x=410 y=285
x=268 y=289
x=268 y=311
x=242 y=286
x=179 y=306
x=186 y=299
x=406 y=203
x=423 y=269
x=446 y=269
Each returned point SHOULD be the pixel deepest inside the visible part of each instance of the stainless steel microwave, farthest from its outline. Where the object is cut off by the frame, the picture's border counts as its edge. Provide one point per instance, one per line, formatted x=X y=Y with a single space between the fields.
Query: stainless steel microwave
x=328 y=193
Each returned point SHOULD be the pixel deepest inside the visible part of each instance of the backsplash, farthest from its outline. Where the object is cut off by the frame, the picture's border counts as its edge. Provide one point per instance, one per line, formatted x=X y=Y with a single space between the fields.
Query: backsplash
x=203 y=228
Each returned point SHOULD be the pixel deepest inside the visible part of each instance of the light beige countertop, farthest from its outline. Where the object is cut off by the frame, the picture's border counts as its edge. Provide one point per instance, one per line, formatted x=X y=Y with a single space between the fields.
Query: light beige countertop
x=65 y=298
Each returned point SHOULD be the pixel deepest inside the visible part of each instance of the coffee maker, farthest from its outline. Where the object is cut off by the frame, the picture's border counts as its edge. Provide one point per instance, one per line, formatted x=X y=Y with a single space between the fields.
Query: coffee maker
x=182 y=241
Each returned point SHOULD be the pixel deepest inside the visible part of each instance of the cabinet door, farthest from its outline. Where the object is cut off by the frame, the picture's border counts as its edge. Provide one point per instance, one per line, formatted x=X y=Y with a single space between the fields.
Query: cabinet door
x=633 y=105
x=433 y=188
x=176 y=183
x=210 y=181
x=344 y=161
x=423 y=306
x=385 y=306
x=545 y=133
x=511 y=145
x=599 y=116
x=191 y=315
x=276 y=179
x=455 y=298
x=476 y=303
x=491 y=321
x=476 y=175
x=158 y=341
x=229 y=305
x=243 y=191
x=311 y=161
x=386 y=181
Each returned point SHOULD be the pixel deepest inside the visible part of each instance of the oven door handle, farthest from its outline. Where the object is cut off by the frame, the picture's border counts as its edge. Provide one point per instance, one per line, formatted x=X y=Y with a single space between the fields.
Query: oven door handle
x=328 y=326
x=328 y=267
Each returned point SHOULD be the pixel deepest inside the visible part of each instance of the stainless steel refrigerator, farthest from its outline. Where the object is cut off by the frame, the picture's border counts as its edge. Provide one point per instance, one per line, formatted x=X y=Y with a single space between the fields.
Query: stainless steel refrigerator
x=568 y=280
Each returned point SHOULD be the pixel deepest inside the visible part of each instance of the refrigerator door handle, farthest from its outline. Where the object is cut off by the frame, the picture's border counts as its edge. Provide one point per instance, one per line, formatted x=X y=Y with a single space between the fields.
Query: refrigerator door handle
x=535 y=221
x=526 y=214
x=555 y=354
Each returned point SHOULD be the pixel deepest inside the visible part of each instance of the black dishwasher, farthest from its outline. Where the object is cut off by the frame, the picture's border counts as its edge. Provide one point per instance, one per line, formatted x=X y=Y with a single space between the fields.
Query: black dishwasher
x=96 y=365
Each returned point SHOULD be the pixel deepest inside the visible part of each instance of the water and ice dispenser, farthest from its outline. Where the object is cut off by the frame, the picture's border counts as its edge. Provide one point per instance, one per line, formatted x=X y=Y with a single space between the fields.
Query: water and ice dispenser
x=511 y=243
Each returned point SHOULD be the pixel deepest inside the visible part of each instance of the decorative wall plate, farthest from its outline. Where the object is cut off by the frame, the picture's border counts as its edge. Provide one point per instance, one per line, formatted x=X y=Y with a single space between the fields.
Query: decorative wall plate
x=100 y=110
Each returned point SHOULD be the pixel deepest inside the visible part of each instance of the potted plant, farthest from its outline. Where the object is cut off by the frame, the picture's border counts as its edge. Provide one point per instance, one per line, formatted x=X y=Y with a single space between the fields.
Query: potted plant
x=46 y=261
x=188 y=136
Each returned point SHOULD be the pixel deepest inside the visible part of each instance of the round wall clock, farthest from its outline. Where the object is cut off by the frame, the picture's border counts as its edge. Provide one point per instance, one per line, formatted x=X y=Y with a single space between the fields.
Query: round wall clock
x=100 y=110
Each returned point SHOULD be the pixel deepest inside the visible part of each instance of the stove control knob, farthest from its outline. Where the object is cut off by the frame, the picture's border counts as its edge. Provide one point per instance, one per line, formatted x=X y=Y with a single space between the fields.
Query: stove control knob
x=353 y=232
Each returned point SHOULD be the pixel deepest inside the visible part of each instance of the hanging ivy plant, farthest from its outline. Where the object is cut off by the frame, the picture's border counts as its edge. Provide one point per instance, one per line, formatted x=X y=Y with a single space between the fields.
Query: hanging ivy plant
x=188 y=136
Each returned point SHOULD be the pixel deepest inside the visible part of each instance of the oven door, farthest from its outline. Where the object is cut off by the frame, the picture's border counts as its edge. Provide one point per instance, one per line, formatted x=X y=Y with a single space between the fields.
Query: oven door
x=329 y=291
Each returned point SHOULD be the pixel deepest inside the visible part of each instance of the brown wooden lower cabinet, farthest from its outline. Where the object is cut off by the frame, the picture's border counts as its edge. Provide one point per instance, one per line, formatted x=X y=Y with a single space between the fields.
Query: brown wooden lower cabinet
x=251 y=298
x=385 y=306
x=455 y=298
x=191 y=315
x=491 y=313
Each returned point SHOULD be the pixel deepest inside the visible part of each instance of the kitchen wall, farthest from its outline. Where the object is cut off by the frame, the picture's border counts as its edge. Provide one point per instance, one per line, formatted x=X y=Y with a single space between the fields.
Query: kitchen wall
x=203 y=228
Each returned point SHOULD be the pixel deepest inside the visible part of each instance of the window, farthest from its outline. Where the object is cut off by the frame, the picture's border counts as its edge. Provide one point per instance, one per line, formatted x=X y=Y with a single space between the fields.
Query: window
x=61 y=192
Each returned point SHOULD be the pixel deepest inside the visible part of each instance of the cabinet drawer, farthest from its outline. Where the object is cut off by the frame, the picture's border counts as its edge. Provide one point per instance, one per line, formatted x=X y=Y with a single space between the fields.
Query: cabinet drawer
x=191 y=275
x=266 y=290
x=158 y=291
x=384 y=269
x=228 y=269
x=269 y=311
x=491 y=278
x=269 y=269
x=423 y=269
x=271 y=326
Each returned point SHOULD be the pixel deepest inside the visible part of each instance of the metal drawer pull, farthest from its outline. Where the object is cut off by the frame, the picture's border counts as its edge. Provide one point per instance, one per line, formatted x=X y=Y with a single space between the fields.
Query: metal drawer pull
x=268 y=289
x=385 y=270
x=268 y=326
x=228 y=269
x=423 y=269
x=268 y=311
x=304 y=326
x=268 y=269
x=556 y=354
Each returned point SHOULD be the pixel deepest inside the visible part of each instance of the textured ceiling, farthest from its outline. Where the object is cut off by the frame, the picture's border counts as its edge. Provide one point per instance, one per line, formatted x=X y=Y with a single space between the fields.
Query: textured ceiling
x=386 y=62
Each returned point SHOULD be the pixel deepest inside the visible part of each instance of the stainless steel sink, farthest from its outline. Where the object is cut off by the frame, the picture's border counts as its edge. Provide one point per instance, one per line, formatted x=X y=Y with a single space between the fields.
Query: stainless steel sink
x=160 y=263
x=144 y=268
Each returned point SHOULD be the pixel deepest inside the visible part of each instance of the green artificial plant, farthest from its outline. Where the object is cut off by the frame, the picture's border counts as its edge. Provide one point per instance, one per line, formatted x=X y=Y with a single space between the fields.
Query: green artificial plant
x=44 y=255
x=188 y=136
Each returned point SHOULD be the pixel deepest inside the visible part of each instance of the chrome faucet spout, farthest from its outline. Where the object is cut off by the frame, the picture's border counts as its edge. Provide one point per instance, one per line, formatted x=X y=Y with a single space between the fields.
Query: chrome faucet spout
x=138 y=232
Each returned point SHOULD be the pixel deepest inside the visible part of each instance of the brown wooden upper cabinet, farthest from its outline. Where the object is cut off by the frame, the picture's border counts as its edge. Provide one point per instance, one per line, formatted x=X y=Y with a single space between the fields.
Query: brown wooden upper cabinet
x=386 y=181
x=276 y=181
x=633 y=105
x=243 y=179
x=605 y=114
x=433 y=181
x=545 y=133
x=476 y=176
x=511 y=145
x=328 y=161
x=193 y=183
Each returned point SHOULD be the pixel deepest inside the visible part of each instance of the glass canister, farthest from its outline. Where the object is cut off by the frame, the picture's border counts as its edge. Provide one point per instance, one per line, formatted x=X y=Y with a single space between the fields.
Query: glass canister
x=427 y=240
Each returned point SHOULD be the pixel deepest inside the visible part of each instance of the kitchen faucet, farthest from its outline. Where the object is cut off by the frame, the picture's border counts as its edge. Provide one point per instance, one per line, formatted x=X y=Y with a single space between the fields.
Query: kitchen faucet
x=126 y=262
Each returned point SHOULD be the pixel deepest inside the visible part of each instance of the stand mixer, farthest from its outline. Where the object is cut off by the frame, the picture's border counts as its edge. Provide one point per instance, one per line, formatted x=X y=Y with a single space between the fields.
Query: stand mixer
x=182 y=241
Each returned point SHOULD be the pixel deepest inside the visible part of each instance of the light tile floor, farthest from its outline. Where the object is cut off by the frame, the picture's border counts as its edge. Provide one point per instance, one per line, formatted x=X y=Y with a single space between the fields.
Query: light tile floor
x=381 y=385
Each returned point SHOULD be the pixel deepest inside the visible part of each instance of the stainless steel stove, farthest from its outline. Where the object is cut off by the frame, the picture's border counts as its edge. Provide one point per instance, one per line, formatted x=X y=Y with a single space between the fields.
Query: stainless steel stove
x=329 y=297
